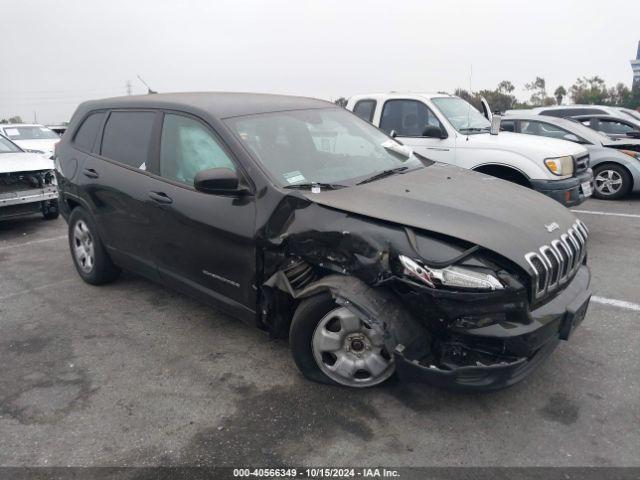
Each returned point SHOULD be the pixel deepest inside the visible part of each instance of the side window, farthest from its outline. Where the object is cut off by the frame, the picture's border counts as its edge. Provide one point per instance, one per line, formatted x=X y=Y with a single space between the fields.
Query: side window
x=407 y=117
x=365 y=109
x=188 y=147
x=614 y=126
x=530 y=128
x=126 y=138
x=508 y=125
x=86 y=135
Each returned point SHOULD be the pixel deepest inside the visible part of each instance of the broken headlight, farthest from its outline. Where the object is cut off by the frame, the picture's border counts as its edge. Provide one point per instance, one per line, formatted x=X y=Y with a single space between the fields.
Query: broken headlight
x=452 y=276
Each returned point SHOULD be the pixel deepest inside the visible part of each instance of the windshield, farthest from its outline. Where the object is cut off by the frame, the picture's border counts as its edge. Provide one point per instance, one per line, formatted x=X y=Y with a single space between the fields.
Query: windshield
x=8 y=147
x=30 y=133
x=329 y=146
x=462 y=115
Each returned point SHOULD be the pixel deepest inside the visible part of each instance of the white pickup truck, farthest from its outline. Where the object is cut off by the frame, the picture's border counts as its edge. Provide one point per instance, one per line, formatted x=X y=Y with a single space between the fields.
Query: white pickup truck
x=447 y=129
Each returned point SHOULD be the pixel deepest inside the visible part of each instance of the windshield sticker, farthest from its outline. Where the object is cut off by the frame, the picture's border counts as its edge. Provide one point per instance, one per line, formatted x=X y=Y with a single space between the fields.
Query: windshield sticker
x=293 y=177
x=12 y=132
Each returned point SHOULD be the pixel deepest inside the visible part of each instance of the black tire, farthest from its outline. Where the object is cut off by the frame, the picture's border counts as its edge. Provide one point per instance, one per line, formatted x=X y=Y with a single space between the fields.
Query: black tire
x=305 y=319
x=51 y=211
x=310 y=314
x=103 y=270
x=617 y=171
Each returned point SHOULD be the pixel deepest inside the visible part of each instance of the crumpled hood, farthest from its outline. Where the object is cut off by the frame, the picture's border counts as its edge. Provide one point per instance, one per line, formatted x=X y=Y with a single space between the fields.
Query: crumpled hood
x=497 y=215
x=24 y=162
x=541 y=147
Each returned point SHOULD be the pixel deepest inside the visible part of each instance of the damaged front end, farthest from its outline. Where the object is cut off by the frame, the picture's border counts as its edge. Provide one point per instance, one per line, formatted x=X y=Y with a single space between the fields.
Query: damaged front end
x=24 y=193
x=454 y=314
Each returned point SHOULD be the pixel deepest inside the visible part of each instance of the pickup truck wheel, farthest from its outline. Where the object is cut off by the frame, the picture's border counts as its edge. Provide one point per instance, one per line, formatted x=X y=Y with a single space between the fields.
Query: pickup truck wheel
x=89 y=255
x=330 y=344
x=611 y=182
x=51 y=211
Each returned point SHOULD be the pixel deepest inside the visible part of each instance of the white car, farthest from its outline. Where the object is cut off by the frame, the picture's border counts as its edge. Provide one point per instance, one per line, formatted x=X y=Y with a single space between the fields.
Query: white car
x=448 y=129
x=27 y=183
x=577 y=110
x=31 y=137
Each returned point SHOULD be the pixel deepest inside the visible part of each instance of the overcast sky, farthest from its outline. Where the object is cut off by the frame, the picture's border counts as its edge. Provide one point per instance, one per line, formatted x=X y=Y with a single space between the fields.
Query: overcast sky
x=58 y=53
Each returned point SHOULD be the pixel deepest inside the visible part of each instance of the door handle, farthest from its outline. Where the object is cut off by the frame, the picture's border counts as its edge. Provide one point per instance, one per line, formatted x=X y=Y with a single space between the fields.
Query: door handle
x=90 y=172
x=160 y=197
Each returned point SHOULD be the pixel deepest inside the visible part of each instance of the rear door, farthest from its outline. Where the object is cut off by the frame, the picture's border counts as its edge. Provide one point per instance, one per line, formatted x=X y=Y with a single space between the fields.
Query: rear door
x=116 y=184
x=408 y=119
x=206 y=247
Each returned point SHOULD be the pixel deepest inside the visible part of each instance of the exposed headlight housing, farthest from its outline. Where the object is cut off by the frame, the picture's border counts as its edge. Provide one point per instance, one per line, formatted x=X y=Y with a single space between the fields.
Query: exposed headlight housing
x=453 y=276
x=631 y=153
x=560 y=165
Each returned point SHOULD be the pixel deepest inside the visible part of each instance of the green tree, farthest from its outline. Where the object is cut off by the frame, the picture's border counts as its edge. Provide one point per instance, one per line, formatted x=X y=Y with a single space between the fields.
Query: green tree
x=589 y=91
x=538 y=89
x=14 y=119
x=560 y=93
x=342 y=102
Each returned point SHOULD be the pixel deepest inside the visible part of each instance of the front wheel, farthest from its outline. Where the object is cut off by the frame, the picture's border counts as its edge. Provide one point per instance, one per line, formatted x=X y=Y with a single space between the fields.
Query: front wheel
x=330 y=344
x=50 y=210
x=611 y=182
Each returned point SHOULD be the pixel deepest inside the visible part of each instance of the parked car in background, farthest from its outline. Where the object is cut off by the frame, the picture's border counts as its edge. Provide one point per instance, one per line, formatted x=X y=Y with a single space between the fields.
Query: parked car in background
x=27 y=183
x=612 y=126
x=31 y=137
x=448 y=129
x=567 y=110
x=59 y=129
x=635 y=114
x=615 y=163
x=302 y=219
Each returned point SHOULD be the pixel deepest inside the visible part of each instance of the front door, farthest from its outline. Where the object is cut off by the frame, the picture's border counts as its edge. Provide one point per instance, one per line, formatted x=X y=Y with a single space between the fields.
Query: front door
x=409 y=119
x=206 y=246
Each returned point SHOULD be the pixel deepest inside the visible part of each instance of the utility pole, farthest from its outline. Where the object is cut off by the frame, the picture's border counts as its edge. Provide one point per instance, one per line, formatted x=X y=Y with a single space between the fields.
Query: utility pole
x=128 y=87
x=35 y=117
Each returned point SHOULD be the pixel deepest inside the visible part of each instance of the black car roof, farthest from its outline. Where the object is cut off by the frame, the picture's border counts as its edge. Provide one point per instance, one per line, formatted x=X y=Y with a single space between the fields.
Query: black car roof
x=217 y=104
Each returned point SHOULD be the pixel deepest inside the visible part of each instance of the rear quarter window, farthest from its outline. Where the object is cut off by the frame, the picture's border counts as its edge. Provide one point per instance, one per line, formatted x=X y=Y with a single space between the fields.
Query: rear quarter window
x=365 y=109
x=86 y=135
x=127 y=136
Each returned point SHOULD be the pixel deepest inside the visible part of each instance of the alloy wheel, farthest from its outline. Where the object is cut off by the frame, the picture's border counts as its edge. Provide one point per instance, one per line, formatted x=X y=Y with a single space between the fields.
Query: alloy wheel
x=608 y=182
x=83 y=247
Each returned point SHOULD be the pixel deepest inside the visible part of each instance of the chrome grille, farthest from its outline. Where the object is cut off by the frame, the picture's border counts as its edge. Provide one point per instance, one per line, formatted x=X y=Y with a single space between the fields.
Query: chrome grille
x=555 y=264
x=582 y=163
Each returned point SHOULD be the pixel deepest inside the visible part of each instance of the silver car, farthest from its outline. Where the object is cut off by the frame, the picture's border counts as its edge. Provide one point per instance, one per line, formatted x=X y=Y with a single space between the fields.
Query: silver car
x=615 y=162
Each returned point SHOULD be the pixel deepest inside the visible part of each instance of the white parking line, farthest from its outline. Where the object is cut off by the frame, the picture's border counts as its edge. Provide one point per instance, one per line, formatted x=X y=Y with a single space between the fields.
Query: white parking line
x=616 y=303
x=33 y=242
x=591 y=212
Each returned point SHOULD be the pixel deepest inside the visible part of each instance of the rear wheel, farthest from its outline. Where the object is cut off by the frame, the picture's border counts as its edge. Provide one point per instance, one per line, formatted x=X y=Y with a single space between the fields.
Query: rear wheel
x=611 y=182
x=89 y=255
x=331 y=344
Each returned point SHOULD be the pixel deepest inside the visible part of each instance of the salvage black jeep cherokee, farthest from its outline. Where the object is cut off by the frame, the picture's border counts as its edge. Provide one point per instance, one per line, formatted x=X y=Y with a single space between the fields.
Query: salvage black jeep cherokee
x=299 y=217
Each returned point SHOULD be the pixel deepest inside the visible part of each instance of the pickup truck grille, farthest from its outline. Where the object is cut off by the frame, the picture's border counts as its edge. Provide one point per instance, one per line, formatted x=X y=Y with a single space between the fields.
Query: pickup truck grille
x=582 y=163
x=556 y=263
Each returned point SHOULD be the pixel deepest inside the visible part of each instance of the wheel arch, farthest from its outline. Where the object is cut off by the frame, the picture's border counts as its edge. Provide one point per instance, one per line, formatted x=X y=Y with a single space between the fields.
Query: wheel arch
x=504 y=172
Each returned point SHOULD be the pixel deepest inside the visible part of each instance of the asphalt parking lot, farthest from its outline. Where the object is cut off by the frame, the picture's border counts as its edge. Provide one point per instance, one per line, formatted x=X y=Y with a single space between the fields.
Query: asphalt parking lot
x=134 y=374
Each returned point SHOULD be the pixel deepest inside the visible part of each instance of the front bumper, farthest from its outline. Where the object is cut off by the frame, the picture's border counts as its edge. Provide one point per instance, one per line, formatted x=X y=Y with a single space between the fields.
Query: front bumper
x=49 y=192
x=26 y=202
x=569 y=191
x=525 y=345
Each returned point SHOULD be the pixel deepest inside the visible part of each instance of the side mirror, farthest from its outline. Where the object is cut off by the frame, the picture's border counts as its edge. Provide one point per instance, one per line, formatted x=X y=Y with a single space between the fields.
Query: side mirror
x=571 y=137
x=220 y=181
x=432 y=131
